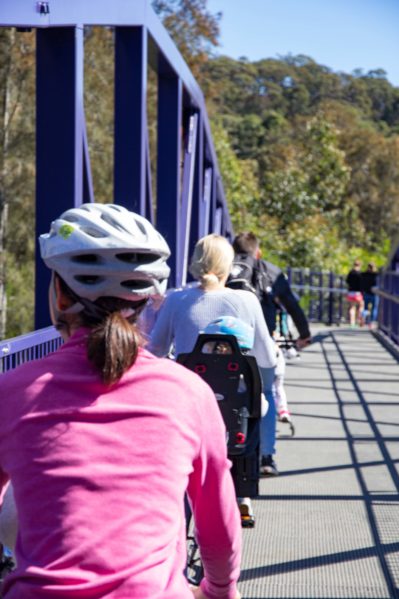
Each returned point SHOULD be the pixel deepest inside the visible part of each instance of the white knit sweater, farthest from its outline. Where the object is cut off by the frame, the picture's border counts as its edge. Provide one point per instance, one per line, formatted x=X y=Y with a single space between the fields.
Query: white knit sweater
x=186 y=312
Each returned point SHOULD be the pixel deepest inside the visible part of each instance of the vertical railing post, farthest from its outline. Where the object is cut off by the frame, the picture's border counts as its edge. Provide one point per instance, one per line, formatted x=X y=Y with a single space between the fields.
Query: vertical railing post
x=331 y=298
x=395 y=307
x=227 y=228
x=206 y=202
x=341 y=298
x=169 y=166
x=59 y=137
x=389 y=305
x=312 y=302
x=218 y=219
x=213 y=204
x=187 y=197
x=149 y=206
x=130 y=151
x=321 y=297
x=88 y=189
x=198 y=197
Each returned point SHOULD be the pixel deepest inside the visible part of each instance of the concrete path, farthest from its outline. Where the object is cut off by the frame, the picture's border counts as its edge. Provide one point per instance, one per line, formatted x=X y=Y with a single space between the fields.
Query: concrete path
x=328 y=526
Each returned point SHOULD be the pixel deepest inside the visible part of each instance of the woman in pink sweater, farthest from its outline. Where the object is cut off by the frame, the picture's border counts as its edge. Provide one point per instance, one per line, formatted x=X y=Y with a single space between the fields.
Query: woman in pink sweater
x=101 y=440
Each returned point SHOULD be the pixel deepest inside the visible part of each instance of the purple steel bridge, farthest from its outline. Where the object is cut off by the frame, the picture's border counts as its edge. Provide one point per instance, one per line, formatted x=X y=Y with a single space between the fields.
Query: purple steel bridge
x=190 y=200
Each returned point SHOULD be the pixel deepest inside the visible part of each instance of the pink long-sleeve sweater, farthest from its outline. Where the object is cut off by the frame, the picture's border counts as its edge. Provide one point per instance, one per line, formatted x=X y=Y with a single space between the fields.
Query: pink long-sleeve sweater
x=100 y=473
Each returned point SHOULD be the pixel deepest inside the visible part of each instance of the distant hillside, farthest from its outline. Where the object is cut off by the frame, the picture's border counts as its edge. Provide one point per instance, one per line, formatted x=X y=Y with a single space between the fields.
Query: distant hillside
x=317 y=152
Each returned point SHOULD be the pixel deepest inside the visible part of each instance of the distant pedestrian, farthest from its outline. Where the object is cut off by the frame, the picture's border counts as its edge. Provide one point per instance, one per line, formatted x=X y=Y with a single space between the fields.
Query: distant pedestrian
x=354 y=296
x=369 y=278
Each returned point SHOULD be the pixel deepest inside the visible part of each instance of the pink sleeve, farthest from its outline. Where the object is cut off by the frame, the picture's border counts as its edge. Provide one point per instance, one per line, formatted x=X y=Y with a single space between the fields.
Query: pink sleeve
x=214 y=504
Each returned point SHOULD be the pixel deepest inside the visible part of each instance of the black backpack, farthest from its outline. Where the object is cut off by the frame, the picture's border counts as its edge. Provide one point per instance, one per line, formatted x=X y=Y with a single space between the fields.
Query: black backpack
x=257 y=276
x=249 y=274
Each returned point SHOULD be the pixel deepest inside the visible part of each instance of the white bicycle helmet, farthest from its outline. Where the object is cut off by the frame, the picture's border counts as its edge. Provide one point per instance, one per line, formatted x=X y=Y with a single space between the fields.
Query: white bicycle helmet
x=105 y=250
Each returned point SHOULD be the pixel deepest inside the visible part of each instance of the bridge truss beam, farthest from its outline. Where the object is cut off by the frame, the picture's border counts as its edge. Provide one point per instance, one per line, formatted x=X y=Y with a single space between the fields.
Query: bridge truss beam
x=190 y=200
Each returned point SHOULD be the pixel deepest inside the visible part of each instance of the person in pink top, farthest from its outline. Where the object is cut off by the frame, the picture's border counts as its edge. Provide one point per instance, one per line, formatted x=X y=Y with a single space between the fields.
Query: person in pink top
x=101 y=440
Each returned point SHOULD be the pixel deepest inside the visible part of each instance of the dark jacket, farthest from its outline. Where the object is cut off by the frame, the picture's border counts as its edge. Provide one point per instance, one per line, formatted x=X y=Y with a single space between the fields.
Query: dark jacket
x=277 y=287
x=354 y=280
x=369 y=280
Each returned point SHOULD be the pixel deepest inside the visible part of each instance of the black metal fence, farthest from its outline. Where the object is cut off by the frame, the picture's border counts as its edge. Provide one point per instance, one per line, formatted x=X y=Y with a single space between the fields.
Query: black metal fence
x=388 y=315
x=323 y=297
x=322 y=294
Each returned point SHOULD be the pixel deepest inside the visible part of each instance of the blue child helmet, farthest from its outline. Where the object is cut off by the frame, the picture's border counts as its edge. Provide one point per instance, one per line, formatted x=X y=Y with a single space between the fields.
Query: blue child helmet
x=230 y=325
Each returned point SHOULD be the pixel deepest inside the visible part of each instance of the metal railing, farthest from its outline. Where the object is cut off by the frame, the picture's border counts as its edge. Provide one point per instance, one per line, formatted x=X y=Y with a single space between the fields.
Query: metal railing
x=388 y=314
x=322 y=294
x=31 y=346
x=323 y=298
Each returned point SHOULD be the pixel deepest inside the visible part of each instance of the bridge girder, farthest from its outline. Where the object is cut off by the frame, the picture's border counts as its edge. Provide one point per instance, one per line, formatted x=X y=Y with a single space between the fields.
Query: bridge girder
x=190 y=198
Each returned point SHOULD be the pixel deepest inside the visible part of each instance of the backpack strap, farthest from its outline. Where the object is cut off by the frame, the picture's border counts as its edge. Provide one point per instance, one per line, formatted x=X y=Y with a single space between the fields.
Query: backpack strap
x=262 y=279
x=242 y=275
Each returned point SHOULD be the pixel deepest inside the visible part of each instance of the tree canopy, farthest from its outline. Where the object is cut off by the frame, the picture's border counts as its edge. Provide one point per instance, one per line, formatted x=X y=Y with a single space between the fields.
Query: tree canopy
x=309 y=157
x=325 y=152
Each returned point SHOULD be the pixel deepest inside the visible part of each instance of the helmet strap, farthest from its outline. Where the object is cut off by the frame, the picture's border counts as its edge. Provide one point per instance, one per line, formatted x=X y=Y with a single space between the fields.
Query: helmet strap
x=58 y=319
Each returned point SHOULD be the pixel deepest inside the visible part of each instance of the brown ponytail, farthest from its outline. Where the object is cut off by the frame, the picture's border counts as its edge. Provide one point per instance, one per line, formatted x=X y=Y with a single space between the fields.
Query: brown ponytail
x=114 y=338
x=112 y=346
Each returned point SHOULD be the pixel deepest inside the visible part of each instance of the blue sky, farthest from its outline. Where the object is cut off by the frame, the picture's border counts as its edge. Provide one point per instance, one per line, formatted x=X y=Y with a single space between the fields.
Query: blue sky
x=341 y=34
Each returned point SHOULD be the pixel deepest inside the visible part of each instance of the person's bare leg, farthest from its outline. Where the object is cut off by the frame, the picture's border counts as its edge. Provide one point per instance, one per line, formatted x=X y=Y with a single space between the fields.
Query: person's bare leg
x=352 y=315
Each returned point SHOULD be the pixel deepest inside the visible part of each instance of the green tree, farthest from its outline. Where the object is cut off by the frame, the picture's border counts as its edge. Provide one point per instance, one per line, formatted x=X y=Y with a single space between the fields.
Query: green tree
x=99 y=108
x=324 y=162
x=193 y=28
x=249 y=134
x=313 y=181
x=325 y=146
x=5 y=68
x=239 y=180
x=228 y=84
x=17 y=134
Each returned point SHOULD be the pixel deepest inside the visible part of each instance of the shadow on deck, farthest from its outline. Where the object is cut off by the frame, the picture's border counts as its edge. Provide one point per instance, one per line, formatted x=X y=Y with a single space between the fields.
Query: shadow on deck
x=328 y=526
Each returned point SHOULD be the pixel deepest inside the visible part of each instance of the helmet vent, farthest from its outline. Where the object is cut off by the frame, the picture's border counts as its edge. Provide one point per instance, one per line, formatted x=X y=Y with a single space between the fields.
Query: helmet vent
x=86 y=259
x=87 y=279
x=137 y=258
x=141 y=227
x=91 y=232
x=112 y=222
x=136 y=285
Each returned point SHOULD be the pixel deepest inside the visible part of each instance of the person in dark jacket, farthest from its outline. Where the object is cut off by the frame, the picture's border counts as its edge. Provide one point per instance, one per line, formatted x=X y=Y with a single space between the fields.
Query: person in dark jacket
x=369 y=279
x=354 y=281
x=275 y=288
x=246 y=245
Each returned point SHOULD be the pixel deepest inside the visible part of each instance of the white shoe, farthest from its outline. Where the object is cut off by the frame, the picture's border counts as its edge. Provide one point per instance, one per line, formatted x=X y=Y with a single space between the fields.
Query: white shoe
x=291 y=353
x=246 y=511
